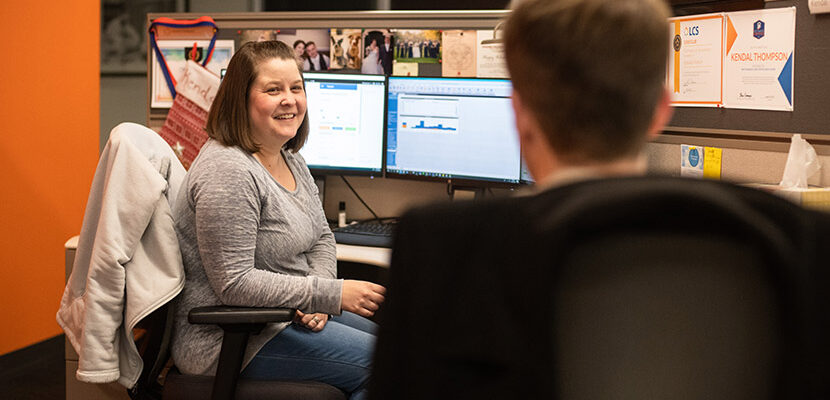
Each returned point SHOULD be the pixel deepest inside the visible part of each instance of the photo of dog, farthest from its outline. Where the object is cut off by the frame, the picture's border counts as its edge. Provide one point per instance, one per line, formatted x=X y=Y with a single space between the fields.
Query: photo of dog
x=354 y=60
x=346 y=48
x=337 y=57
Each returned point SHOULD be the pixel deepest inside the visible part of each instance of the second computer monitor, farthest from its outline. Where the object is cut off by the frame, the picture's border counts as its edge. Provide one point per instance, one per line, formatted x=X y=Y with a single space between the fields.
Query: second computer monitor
x=452 y=128
x=345 y=118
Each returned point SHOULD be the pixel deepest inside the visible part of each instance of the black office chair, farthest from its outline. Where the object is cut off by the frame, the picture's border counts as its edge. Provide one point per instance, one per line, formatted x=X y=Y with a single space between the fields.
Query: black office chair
x=237 y=323
x=640 y=288
x=681 y=290
x=133 y=147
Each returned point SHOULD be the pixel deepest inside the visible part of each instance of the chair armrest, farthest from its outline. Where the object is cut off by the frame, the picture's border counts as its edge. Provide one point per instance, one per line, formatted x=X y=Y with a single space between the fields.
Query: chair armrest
x=229 y=315
x=236 y=323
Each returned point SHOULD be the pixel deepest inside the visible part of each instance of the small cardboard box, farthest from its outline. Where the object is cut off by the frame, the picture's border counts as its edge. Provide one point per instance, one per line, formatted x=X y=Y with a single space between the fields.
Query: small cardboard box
x=812 y=197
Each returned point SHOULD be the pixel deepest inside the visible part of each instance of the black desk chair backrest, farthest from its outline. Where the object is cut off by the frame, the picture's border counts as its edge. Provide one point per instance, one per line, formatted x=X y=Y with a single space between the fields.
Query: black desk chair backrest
x=675 y=289
x=634 y=288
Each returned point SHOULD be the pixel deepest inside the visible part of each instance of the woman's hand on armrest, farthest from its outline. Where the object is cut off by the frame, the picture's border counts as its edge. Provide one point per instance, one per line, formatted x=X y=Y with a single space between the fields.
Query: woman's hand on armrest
x=314 y=322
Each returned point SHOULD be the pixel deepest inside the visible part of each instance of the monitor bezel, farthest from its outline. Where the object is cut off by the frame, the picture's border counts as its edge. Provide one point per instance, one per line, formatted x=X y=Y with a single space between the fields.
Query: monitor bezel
x=321 y=171
x=523 y=181
x=462 y=180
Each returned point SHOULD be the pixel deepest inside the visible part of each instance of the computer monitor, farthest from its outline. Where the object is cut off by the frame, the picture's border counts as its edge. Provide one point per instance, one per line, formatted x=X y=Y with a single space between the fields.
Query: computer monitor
x=452 y=128
x=345 y=115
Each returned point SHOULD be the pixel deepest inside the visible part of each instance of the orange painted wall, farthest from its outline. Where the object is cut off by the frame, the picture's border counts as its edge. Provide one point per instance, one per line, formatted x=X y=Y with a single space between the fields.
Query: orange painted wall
x=49 y=106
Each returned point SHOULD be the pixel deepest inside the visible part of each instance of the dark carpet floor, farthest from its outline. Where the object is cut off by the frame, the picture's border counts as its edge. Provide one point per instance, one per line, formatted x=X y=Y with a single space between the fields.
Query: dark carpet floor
x=35 y=372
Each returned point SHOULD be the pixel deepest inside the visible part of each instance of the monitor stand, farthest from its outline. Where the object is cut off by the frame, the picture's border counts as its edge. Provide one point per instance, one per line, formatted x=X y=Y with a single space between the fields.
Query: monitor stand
x=461 y=193
x=320 y=181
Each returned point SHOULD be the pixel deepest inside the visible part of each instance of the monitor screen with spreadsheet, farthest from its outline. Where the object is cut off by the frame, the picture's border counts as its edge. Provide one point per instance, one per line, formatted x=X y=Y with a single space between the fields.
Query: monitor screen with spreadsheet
x=452 y=128
x=345 y=115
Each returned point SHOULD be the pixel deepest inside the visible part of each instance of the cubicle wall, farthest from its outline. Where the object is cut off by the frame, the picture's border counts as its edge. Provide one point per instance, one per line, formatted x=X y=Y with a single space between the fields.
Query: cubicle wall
x=754 y=142
x=230 y=23
x=811 y=102
x=758 y=136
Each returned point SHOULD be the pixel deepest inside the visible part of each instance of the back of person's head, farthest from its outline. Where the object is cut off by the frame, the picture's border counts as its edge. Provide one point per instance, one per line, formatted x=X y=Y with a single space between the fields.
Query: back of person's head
x=228 y=120
x=591 y=72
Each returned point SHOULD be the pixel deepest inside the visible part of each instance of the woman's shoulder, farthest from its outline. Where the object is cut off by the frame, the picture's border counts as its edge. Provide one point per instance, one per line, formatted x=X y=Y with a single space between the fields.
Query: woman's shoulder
x=217 y=159
x=214 y=154
x=298 y=164
x=294 y=157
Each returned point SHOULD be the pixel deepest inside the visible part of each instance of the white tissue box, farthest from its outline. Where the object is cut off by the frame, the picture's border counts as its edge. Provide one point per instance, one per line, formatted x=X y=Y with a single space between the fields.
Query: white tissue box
x=814 y=197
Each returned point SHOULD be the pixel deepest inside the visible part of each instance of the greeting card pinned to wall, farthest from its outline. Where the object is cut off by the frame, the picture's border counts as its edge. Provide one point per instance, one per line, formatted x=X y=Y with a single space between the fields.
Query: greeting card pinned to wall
x=459 y=58
x=404 y=69
x=490 y=61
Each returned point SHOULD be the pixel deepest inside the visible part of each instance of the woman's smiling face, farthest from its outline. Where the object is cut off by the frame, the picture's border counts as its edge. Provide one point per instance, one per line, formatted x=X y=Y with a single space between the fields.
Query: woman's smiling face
x=276 y=102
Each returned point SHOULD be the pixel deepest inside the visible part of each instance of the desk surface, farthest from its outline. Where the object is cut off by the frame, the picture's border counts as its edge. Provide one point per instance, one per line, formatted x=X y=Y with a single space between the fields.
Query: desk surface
x=378 y=256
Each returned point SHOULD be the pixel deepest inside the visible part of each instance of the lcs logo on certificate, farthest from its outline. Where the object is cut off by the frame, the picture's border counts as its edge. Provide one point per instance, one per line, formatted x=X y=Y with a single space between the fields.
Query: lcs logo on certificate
x=691 y=31
x=758 y=29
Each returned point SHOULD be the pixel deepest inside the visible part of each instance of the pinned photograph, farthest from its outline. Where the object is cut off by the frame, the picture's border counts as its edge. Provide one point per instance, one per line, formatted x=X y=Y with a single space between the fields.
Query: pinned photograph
x=311 y=47
x=346 y=48
x=379 y=51
x=254 y=35
x=124 y=34
x=176 y=53
x=418 y=46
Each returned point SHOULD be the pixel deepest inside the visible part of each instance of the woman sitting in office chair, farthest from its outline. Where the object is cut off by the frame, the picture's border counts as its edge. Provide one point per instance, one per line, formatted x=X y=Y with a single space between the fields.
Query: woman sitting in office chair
x=253 y=233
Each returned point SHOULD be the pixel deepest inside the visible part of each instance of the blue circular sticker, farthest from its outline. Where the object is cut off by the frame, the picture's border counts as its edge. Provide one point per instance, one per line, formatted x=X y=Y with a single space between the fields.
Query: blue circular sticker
x=694 y=157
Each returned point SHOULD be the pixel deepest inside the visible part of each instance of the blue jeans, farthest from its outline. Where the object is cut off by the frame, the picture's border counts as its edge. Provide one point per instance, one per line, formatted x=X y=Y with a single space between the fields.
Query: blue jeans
x=339 y=355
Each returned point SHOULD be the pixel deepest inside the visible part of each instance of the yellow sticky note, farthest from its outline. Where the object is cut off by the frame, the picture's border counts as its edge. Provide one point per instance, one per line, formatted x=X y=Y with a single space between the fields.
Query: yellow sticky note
x=712 y=162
